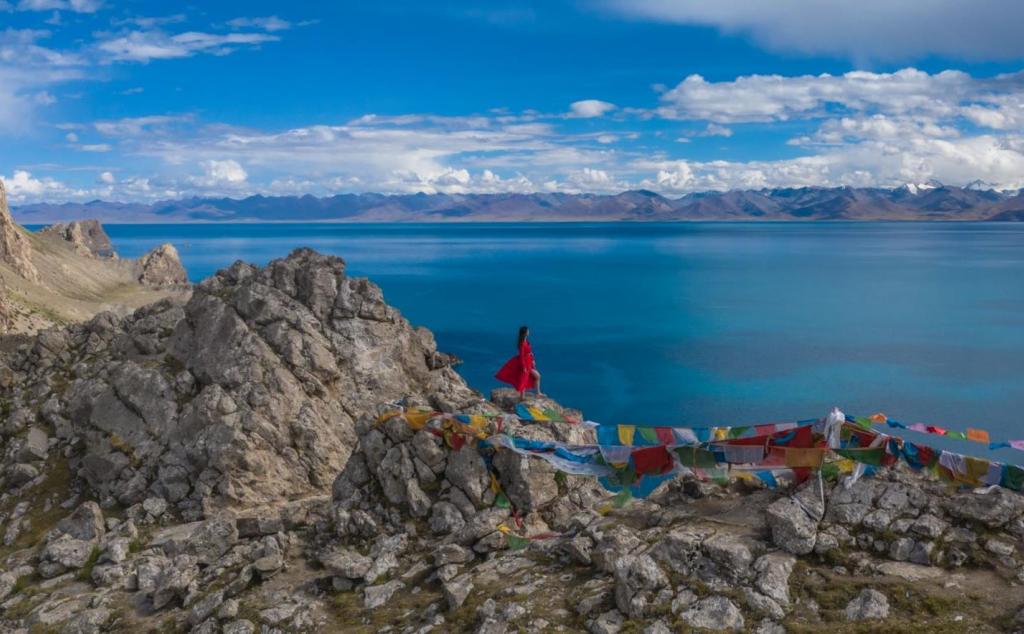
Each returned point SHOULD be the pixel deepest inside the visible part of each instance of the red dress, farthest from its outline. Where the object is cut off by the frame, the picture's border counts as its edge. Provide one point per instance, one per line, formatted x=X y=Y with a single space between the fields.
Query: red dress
x=518 y=371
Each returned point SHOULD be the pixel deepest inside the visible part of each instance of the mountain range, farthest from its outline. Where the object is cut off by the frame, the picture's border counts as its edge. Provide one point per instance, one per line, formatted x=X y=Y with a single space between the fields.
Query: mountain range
x=911 y=202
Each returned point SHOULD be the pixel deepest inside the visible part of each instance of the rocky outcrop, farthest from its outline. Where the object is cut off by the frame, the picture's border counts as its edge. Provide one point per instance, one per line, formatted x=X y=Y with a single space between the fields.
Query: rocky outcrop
x=247 y=394
x=15 y=247
x=161 y=267
x=6 y=309
x=87 y=237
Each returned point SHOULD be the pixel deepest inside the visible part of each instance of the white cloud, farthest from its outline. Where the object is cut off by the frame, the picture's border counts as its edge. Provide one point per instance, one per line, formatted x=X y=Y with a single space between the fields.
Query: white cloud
x=136 y=126
x=778 y=98
x=863 y=31
x=714 y=129
x=590 y=108
x=71 y=137
x=221 y=173
x=77 y=6
x=270 y=23
x=22 y=185
x=27 y=69
x=143 y=46
x=106 y=178
x=95 y=147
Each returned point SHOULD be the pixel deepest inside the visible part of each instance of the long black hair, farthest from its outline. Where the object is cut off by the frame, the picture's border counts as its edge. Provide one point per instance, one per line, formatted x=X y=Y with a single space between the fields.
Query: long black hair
x=523 y=331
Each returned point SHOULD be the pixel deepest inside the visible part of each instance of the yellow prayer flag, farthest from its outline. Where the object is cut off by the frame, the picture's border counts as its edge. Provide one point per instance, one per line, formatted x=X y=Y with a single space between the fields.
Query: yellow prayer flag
x=796 y=458
x=626 y=434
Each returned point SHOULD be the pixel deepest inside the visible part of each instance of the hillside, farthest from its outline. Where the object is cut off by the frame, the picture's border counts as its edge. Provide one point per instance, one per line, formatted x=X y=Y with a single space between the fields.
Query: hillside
x=68 y=273
x=937 y=203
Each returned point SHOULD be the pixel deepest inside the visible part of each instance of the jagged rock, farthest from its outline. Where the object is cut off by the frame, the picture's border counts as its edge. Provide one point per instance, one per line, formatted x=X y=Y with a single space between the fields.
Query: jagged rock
x=773 y=571
x=636 y=578
x=20 y=473
x=714 y=613
x=258 y=526
x=62 y=554
x=346 y=563
x=35 y=446
x=763 y=604
x=794 y=520
x=607 y=623
x=165 y=579
x=869 y=604
x=994 y=509
x=161 y=267
x=733 y=555
x=241 y=626
x=206 y=540
x=86 y=236
x=445 y=518
x=91 y=621
x=15 y=247
x=205 y=607
x=457 y=590
x=658 y=627
x=156 y=507
x=452 y=554
x=376 y=596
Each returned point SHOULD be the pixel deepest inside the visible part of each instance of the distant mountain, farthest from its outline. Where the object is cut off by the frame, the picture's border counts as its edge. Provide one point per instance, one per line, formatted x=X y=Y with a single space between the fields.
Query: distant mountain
x=929 y=201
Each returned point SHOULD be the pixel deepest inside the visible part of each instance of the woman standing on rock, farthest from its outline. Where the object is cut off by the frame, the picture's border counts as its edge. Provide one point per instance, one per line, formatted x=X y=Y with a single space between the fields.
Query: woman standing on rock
x=521 y=371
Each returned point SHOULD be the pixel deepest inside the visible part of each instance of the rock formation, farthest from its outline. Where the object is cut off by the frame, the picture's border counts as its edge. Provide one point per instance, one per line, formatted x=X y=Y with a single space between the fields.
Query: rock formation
x=161 y=267
x=248 y=393
x=15 y=247
x=86 y=236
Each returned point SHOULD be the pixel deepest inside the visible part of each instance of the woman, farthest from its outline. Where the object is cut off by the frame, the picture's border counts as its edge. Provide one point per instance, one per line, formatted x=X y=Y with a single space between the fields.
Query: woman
x=520 y=371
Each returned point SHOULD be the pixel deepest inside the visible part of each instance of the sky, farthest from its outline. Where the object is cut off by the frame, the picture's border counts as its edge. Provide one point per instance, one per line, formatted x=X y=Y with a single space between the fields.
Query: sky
x=145 y=101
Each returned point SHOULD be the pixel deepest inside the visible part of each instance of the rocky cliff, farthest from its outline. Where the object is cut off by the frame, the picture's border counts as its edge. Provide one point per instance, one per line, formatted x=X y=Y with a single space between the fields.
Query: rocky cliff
x=240 y=462
x=86 y=236
x=15 y=248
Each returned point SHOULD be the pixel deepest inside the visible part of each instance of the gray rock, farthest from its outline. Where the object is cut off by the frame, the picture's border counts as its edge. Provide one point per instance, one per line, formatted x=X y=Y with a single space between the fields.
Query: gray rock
x=35 y=447
x=734 y=555
x=207 y=540
x=91 y=621
x=346 y=563
x=1000 y=548
x=794 y=521
x=376 y=596
x=922 y=553
x=658 y=627
x=258 y=526
x=155 y=506
x=900 y=549
x=773 y=571
x=714 y=613
x=928 y=526
x=456 y=591
x=240 y=626
x=205 y=607
x=86 y=236
x=637 y=577
x=869 y=604
x=607 y=623
x=994 y=509
x=445 y=518
x=763 y=604
x=452 y=554
x=86 y=523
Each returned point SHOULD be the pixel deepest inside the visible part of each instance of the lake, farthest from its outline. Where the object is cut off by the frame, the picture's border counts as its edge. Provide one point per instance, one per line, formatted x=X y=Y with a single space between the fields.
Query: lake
x=696 y=323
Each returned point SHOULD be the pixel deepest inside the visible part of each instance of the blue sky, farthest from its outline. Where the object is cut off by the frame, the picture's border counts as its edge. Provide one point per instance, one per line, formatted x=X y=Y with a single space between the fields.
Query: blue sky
x=147 y=100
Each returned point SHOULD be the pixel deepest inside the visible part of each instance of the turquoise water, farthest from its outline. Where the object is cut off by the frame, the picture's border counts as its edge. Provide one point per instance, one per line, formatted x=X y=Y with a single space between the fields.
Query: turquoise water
x=699 y=323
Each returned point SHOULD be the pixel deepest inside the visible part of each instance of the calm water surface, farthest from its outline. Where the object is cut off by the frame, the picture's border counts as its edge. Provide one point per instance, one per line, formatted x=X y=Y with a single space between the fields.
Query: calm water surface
x=700 y=324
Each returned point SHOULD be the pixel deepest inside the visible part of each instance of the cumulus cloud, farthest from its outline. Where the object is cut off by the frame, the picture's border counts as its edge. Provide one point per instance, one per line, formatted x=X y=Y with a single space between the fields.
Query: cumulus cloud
x=753 y=98
x=221 y=173
x=136 y=126
x=590 y=108
x=106 y=178
x=863 y=31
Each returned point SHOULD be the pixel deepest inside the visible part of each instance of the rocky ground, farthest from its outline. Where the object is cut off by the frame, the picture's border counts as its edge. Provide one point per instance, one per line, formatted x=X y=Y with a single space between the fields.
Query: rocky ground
x=222 y=464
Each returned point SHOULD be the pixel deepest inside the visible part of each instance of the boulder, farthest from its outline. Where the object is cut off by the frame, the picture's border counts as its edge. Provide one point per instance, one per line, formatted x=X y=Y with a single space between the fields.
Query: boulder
x=714 y=613
x=376 y=596
x=794 y=520
x=869 y=604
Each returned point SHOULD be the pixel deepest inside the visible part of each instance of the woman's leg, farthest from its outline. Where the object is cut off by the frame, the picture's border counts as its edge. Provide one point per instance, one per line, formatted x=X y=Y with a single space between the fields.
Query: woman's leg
x=536 y=375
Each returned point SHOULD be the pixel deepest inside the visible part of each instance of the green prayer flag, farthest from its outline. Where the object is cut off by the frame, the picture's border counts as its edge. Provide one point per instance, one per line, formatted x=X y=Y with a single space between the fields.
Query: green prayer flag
x=516 y=542
x=872 y=456
x=959 y=435
x=695 y=457
x=648 y=434
x=1013 y=477
x=736 y=432
x=501 y=501
x=863 y=421
x=621 y=498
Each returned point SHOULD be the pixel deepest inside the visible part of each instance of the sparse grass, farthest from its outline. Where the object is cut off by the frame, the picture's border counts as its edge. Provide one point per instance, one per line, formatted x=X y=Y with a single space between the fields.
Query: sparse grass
x=85 y=574
x=37 y=522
